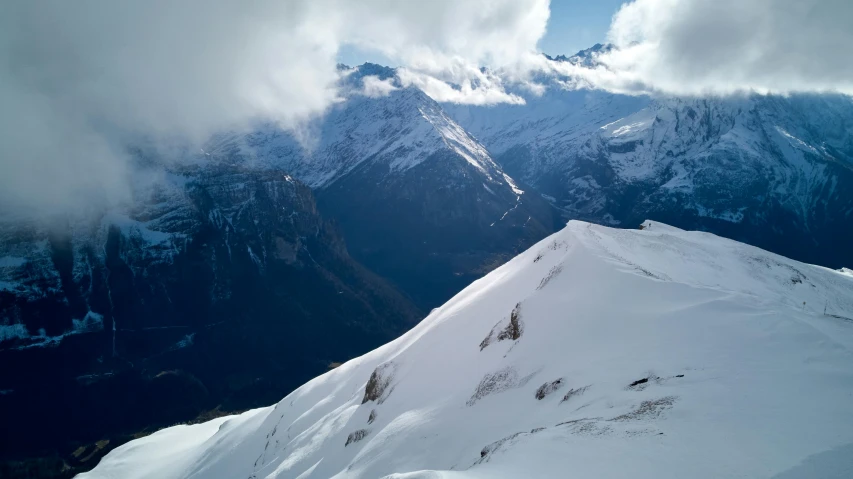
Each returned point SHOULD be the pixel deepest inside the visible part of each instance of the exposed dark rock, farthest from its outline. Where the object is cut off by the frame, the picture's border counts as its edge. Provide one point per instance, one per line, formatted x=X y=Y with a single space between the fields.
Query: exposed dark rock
x=513 y=330
x=378 y=386
x=489 y=338
x=487 y=451
x=356 y=436
x=553 y=273
x=642 y=383
x=576 y=421
x=548 y=388
x=573 y=392
x=372 y=416
x=638 y=382
x=501 y=380
x=648 y=409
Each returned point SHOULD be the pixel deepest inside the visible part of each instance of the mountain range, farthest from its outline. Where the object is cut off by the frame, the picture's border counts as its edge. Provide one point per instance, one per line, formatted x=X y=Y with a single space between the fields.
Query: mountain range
x=240 y=271
x=766 y=170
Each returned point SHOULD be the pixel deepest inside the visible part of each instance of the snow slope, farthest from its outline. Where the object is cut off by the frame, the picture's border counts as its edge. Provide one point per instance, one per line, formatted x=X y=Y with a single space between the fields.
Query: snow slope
x=596 y=353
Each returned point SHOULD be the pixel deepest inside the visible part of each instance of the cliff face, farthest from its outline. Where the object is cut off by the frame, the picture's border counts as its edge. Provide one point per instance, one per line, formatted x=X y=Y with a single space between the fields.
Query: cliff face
x=220 y=286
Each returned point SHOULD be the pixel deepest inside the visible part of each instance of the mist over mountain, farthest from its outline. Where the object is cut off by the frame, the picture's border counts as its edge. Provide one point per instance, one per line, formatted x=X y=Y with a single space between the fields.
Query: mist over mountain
x=221 y=248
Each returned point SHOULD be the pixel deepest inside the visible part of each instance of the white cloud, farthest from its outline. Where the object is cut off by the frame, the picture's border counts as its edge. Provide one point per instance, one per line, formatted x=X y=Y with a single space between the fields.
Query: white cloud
x=474 y=88
x=670 y=47
x=696 y=47
x=374 y=87
x=78 y=80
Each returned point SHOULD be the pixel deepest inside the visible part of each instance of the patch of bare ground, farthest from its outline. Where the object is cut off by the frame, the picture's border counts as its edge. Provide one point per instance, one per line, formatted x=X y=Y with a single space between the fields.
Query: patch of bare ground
x=574 y=392
x=489 y=450
x=498 y=381
x=356 y=436
x=548 y=388
x=552 y=273
x=378 y=387
x=648 y=409
x=588 y=426
x=512 y=331
x=643 y=383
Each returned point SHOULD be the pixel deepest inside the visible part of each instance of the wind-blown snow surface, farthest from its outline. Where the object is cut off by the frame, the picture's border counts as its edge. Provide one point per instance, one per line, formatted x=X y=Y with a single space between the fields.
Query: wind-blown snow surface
x=597 y=353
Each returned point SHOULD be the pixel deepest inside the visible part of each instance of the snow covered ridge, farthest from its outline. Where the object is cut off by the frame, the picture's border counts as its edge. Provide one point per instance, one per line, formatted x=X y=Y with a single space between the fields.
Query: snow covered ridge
x=596 y=353
x=400 y=129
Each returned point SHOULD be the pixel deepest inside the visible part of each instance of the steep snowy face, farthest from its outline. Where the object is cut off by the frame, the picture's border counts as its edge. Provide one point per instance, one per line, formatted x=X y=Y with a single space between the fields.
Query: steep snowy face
x=737 y=139
x=547 y=124
x=768 y=170
x=796 y=142
x=400 y=129
x=597 y=353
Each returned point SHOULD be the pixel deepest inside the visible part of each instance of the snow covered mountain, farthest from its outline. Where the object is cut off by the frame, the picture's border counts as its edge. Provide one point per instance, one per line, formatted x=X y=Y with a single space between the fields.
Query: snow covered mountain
x=153 y=312
x=767 y=170
x=399 y=128
x=231 y=252
x=418 y=199
x=598 y=352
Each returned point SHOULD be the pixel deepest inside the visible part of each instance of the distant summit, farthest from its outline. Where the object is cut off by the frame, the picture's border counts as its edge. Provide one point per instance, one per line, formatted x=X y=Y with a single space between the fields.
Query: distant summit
x=583 y=57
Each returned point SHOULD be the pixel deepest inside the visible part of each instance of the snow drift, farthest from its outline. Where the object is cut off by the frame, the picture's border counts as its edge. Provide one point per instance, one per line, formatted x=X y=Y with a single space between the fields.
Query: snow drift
x=598 y=352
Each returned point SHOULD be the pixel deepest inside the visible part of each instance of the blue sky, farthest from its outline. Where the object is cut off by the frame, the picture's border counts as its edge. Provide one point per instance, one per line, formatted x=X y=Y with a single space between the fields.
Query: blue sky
x=573 y=25
x=577 y=24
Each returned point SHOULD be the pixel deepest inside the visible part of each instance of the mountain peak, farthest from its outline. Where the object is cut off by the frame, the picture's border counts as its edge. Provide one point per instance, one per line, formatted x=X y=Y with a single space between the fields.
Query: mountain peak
x=373 y=69
x=585 y=57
